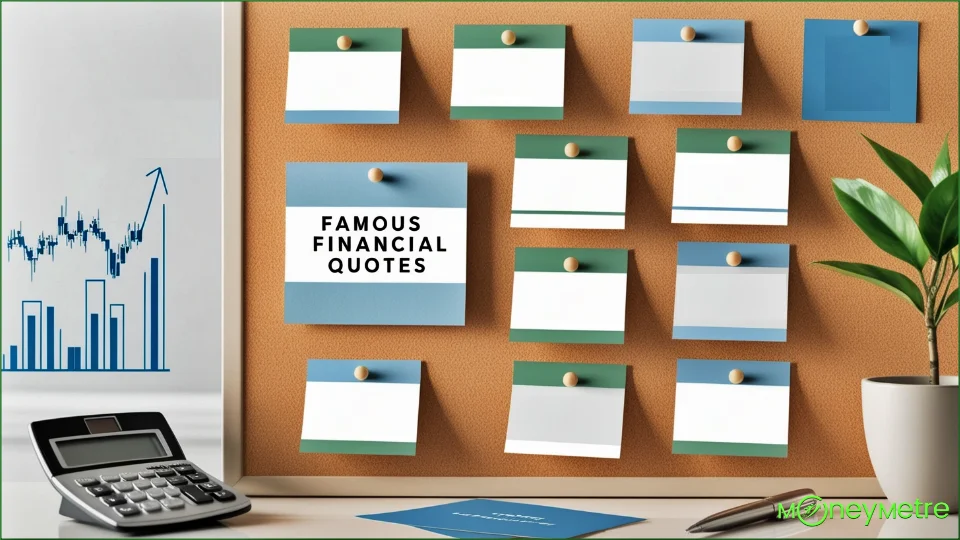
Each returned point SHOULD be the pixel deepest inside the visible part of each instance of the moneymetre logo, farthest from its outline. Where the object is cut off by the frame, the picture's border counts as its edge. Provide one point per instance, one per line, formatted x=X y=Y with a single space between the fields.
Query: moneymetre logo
x=812 y=511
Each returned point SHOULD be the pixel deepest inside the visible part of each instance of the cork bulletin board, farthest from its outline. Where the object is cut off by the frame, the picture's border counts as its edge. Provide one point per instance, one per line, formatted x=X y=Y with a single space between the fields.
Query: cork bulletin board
x=840 y=330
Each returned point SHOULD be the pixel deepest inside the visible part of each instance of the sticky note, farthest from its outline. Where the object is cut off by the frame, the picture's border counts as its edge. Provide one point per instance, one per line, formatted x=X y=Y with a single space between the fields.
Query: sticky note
x=673 y=76
x=496 y=81
x=553 y=305
x=869 y=78
x=360 y=85
x=714 y=185
x=715 y=416
x=392 y=252
x=377 y=415
x=549 y=418
x=716 y=301
x=552 y=190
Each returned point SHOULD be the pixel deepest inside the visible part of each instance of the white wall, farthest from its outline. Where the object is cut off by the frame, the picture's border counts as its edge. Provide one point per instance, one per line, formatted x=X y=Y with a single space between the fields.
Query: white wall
x=95 y=95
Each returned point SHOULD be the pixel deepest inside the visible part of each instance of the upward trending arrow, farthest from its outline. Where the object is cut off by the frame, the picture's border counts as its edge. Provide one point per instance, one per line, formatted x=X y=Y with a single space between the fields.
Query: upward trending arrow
x=158 y=180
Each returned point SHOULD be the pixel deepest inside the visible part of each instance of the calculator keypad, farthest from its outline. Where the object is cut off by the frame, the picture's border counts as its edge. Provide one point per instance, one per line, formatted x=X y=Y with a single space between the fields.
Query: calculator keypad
x=148 y=494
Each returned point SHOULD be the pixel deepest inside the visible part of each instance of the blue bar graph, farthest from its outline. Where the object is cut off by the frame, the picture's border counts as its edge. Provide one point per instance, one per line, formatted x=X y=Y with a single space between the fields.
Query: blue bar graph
x=31 y=342
x=50 y=336
x=113 y=343
x=154 y=313
x=104 y=343
x=94 y=341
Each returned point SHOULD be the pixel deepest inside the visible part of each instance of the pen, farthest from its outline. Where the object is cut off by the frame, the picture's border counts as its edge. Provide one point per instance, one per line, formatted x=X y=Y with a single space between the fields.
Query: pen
x=752 y=512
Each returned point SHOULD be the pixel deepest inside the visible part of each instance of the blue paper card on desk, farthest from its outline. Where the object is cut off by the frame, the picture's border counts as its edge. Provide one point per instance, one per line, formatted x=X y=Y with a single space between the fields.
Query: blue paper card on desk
x=860 y=78
x=506 y=519
x=462 y=534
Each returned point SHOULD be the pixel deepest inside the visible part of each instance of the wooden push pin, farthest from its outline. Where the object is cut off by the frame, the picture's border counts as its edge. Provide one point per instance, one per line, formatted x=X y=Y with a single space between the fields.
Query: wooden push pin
x=344 y=43
x=736 y=376
x=860 y=27
x=734 y=258
x=571 y=150
x=508 y=37
x=361 y=373
x=375 y=174
x=570 y=379
x=734 y=143
x=687 y=33
x=570 y=264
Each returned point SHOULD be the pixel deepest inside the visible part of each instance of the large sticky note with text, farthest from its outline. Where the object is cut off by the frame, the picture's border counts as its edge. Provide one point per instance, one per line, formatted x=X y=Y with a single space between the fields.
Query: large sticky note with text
x=327 y=84
x=717 y=300
x=496 y=81
x=392 y=252
x=569 y=182
x=749 y=186
x=569 y=295
x=868 y=78
x=551 y=418
x=370 y=410
x=670 y=75
x=732 y=408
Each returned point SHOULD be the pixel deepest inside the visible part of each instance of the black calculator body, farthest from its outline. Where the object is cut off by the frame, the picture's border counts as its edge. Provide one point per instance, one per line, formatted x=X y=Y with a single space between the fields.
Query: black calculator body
x=126 y=471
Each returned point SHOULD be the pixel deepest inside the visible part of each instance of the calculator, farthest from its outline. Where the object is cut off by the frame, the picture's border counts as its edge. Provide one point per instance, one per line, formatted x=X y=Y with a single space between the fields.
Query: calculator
x=126 y=471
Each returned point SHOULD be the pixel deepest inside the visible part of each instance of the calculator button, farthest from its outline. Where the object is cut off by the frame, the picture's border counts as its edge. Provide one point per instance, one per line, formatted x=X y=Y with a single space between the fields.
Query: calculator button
x=110 y=478
x=159 y=482
x=209 y=486
x=100 y=491
x=150 y=506
x=177 y=481
x=127 y=510
x=155 y=493
x=223 y=496
x=172 y=491
x=123 y=487
x=113 y=500
x=196 y=495
x=87 y=482
x=166 y=473
x=197 y=478
x=147 y=474
x=173 y=504
x=184 y=469
x=136 y=496
x=129 y=476
x=142 y=484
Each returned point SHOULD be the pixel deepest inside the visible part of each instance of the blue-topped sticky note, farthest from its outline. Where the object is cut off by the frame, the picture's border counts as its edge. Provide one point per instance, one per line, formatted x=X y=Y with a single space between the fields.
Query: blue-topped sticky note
x=490 y=517
x=868 y=78
x=376 y=243
x=731 y=291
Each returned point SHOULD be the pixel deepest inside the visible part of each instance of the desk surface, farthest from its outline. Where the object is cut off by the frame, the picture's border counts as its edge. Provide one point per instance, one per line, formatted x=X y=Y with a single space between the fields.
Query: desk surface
x=30 y=510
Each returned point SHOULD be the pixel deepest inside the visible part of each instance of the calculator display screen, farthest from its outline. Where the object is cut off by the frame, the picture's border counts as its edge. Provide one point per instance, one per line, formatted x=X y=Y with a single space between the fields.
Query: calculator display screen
x=110 y=449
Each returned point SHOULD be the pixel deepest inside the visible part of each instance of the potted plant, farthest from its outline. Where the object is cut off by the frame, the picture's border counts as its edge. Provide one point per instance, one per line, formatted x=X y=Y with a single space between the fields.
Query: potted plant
x=910 y=423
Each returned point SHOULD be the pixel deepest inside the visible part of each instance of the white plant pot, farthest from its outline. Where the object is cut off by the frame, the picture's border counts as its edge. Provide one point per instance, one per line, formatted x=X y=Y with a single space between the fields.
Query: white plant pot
x=911 y=431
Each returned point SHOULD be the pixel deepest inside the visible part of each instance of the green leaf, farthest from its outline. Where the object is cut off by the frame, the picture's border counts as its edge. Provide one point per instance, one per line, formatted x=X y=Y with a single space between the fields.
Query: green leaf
x=941 y=167
x=912 y=176
x=883 y=220
x=894 y=282
x=951 y=300
x=938 y=217
x=955 y=252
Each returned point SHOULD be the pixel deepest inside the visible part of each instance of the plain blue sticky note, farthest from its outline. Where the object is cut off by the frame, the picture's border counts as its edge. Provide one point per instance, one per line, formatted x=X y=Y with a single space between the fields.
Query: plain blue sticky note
x=503 y=518
x=870 y=78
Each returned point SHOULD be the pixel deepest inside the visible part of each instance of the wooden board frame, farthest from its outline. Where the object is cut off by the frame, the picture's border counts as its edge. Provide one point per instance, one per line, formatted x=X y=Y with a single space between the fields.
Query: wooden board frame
x=232 y=362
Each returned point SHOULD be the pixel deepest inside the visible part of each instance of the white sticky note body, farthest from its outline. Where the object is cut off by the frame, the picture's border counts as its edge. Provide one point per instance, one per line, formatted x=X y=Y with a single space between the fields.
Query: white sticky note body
x=732 y=413
x=350 y=411
x=332 y=81
x=687 y=72
x=569 y=194
x=508 y=77
x=569 y=301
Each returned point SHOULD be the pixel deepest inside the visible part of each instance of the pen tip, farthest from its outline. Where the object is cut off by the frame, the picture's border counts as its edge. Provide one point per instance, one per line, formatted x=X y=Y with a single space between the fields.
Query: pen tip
x=693 y=529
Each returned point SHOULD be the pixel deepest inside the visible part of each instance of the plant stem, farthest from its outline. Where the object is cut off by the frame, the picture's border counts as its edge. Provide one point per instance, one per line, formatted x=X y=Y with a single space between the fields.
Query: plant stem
x=930 y=315
x=946 y=292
